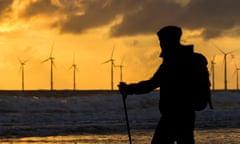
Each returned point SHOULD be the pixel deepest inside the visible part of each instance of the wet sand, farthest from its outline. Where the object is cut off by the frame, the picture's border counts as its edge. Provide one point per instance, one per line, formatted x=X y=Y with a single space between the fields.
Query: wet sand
x=212 y=136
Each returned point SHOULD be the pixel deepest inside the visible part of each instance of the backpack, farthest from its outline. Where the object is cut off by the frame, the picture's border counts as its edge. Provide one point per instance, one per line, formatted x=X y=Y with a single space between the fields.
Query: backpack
x=201 y=93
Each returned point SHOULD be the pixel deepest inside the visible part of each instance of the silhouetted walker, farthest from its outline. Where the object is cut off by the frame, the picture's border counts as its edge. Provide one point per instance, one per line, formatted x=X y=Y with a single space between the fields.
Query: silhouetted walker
x=174 y=77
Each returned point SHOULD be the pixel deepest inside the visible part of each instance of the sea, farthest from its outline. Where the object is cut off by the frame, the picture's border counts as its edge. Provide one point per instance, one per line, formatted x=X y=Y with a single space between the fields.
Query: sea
x=97 y=117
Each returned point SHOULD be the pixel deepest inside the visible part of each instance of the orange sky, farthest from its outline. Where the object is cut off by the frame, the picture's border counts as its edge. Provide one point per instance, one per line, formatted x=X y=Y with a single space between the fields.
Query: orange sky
x=91 y=29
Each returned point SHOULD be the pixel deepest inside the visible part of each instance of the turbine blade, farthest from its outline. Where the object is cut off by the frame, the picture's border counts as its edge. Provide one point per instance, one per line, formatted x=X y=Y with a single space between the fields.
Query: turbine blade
x=233 y=51
x=113 y=63
x=20 y=69
x=51 y=52
x=45 y=60
x=107 y=61
x=24 y=62
x=53 y=63
x=122 y=60
x=221 y=50
x=19 y=59
x=112 y=51
x=70 y=68
x=73 y=58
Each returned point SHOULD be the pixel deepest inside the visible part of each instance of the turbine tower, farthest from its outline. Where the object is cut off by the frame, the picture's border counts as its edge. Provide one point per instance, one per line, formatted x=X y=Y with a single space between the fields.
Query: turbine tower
x=213 y=72
x=111 y=61
x=74 y=67
x=22 y=64
x=52 y=64
x=225 y=65
x=120 y=68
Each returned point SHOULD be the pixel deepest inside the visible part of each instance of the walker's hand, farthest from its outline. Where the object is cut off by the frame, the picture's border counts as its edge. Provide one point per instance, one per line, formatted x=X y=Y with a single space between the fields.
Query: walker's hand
x=123 y=89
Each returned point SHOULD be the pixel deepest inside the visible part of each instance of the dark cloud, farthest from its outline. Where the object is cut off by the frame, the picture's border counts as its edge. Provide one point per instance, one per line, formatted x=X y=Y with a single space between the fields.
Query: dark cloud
x=147 y=16
x=5 y=6
x=215 y=16
x=148 y=19
x=138 y=17
x=97 y=13
x=39 y=7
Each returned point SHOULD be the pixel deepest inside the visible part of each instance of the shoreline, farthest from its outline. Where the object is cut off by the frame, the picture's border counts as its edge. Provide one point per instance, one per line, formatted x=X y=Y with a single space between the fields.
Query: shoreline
x=69 y=92
x=58 y=93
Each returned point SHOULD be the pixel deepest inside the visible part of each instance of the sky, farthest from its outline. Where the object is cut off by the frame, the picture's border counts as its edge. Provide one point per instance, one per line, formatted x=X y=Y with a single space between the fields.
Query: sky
x=88 y=32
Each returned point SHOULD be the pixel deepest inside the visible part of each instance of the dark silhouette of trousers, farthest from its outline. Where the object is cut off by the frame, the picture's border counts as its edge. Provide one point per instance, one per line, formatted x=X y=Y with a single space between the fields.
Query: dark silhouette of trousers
x=175 y=128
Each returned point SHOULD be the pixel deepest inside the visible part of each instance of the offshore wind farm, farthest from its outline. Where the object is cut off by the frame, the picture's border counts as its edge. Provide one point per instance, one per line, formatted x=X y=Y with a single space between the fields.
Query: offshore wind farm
x=74 y=69
x=118 y=69
x=114 y=67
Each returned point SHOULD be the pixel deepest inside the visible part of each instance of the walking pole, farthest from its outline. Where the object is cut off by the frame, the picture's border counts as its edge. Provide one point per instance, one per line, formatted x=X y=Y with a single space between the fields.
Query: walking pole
x=126 y=116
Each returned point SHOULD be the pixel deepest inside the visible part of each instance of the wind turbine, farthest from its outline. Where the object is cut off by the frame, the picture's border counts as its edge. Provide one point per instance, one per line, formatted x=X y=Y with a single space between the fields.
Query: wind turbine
x=22 y=64
x=74 y=67
x=237 y=77
x=237 y=74
x=111 y=61
x=213 y=72
x=120 y=67
x=51 y=59
x=225 y=65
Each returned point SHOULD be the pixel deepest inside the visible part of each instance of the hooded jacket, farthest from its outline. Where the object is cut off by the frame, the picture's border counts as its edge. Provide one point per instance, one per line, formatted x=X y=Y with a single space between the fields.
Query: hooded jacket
x=174 y=79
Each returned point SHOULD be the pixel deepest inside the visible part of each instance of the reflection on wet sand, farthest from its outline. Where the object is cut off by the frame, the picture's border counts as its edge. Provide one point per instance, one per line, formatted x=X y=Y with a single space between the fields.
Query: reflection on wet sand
x=213 y=136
